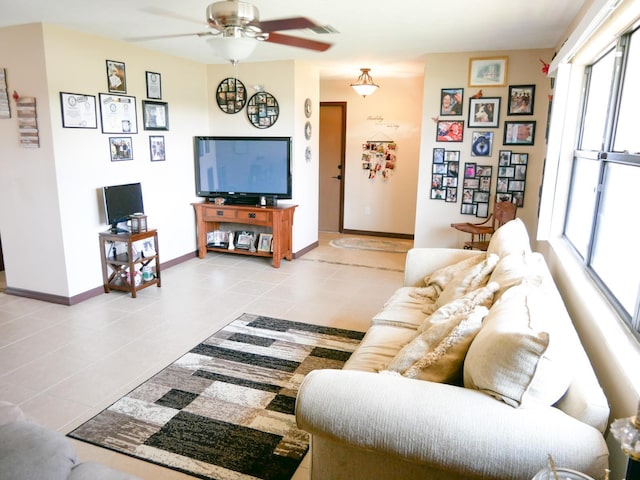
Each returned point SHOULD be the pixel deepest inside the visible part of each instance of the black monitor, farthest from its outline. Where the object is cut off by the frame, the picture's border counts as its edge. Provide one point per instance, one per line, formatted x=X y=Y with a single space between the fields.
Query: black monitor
x=121 y=201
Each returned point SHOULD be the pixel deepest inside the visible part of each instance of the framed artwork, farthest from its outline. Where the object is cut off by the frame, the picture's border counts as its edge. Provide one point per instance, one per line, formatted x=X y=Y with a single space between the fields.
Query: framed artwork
x=264 y=242
x=154 y=85
x=118 y=113
x=481 y=143
x=484 y=112
x=116 y=77
x=121 y=149
x=451 y=101
x=263 y=110
x=155 y=115
x=450 y=131
x=444 y=175
x=156 y=148
x=231 y=95
x=519 y=133
x=476 y=189
x=488 y=72
x=521 y=99
x=78 y=110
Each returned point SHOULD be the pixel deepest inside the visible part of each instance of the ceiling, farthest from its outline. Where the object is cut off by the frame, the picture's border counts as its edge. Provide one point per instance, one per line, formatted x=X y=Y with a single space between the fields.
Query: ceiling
x=390 y=37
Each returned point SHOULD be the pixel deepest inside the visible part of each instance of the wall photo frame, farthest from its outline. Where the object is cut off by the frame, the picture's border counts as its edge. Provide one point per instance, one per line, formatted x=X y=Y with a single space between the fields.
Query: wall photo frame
x=154 y=85
x=519 y=133
x=121 y=148
x=488 y=71
x=521 y=98
x=155 y=115
x=156 y=148
x=484 y=112
x=78 y=110
x=118 y=113
x=116 y=77
x=481 y=144
x=450 y=131
x=451 y=101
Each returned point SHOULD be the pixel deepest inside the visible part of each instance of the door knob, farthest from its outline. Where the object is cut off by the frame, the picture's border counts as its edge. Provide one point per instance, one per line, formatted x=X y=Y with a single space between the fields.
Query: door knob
x=339 y=177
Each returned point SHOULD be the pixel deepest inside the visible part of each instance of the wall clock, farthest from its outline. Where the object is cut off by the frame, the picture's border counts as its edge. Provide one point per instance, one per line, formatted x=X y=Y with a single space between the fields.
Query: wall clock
x=263 y=110
x=231 y=95
x=307 y=130
x=307 y=108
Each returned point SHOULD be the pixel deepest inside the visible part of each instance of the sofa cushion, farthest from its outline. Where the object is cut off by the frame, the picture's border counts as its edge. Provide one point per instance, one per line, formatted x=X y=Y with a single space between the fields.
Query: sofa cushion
x=378 y=347
x=31 y=451
x=402 y=309
x=468 y=280
x=510 y=238
x=518 y=356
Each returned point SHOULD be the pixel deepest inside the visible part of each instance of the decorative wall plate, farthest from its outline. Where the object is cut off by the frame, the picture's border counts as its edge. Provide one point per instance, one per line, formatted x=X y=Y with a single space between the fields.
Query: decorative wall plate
x=307 y=130
x=263 y=110
x=231 y=95
x=307 y=108
x=307 y=154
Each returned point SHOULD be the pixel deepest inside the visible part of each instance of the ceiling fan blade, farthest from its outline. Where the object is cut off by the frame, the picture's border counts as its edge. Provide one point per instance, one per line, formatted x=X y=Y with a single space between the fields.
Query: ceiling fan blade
x=293 y=23
x=298 y=42
x=161 y=37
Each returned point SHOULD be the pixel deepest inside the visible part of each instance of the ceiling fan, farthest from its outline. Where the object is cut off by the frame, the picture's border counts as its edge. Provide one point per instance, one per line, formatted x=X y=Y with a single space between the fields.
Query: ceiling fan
x=235 y=28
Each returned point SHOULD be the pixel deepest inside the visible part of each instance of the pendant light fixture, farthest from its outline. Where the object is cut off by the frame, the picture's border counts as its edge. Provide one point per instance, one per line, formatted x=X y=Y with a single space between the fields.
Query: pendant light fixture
x=364 y=84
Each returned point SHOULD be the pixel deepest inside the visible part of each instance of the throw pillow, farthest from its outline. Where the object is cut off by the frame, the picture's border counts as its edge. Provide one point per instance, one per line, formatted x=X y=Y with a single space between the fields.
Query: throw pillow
x=466 y=281
x=438 y=280
x=437 y=352
x=516 y=267
x=517 y=357
x=437 y=355
x=512 y=237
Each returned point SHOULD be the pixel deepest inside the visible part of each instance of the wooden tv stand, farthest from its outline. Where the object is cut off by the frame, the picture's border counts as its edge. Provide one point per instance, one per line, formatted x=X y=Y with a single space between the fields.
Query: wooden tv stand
x=209 y=216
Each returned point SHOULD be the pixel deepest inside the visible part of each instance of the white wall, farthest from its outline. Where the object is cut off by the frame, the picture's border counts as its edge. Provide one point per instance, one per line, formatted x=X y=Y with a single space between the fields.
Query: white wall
x=393 y=112
x=451 y=70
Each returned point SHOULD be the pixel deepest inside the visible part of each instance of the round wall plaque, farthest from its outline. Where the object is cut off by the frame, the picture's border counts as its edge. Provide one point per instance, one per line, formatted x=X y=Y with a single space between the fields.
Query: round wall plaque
x=263 y=110
x=307 y=154
x=307 y=108
x=307 y=130
x=231 y=95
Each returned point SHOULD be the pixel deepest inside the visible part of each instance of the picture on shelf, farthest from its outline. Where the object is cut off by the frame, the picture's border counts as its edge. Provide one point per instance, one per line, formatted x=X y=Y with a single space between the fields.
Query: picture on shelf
x=245 y=240
x=218 y=239
x=265 y=242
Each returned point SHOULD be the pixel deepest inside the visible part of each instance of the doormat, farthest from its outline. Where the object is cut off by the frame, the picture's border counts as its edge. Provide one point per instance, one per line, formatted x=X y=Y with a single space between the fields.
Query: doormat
x=394 y=246
x=225 y=409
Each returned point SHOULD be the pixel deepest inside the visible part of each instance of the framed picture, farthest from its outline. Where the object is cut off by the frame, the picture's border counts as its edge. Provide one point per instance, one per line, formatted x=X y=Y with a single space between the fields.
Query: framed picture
x=264 y=242
x=155 y=115
x=519 y=133
x=118 y=113
x=116 y=78
x=154 y=85
x=78 y=110
x=484 y=112
x=481 y=143
x=521 y=99
x=488 y=72
x=451 y=101
x=450 y=131
x=121 y=148
x=156 y=148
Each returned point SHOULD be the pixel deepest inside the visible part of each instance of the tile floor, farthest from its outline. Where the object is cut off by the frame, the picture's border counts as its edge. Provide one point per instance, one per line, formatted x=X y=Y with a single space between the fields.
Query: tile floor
x=63 y=365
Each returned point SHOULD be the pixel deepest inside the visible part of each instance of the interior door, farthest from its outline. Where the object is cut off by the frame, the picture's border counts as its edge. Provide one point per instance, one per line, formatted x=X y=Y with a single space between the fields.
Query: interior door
x=332 y=134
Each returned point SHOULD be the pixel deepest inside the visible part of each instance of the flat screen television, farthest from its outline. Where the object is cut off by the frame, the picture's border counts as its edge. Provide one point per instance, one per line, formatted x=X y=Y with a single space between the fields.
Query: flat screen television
x=121 y=201
x=243 y=169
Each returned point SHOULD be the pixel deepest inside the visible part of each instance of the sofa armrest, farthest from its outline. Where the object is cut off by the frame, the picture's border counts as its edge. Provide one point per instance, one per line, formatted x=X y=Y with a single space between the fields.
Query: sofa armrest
x=421 y=262
x=449 y=427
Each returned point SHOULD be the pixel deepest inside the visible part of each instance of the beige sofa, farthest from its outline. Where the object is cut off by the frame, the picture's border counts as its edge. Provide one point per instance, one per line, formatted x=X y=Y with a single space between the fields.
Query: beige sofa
x=471 y=370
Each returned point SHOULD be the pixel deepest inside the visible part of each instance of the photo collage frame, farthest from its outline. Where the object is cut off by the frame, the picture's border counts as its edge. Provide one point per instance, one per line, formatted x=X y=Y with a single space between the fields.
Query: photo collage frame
x=379 y=158
x=482 y=117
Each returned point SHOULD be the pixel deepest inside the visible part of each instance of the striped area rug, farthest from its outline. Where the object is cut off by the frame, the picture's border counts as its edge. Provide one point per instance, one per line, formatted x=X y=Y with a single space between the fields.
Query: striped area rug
x=225 y=410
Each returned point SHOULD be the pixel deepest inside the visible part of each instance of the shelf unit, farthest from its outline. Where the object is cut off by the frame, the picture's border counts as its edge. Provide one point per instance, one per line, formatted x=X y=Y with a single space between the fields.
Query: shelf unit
x=118 y=268
x=279 y=220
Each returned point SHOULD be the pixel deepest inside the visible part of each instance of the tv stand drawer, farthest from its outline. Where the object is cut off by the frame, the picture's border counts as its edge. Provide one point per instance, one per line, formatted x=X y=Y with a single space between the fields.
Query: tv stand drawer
x=219 y=214
x=255 y=216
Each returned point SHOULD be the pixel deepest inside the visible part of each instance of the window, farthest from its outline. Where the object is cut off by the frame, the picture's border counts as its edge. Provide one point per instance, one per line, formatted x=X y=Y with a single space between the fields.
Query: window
x=602 y=220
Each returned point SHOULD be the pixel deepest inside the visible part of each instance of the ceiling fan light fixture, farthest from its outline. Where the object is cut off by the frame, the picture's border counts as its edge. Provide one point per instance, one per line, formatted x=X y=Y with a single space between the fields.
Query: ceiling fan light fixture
x=233 y=48
x=364 y=84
